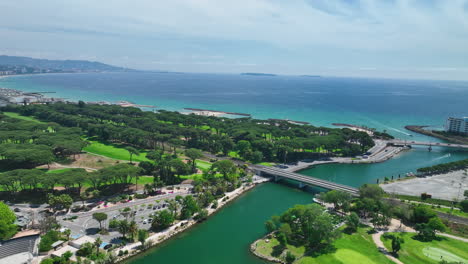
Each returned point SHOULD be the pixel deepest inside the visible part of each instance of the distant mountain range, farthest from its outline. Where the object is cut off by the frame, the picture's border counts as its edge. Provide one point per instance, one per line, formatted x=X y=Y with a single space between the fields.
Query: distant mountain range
x=59 y=65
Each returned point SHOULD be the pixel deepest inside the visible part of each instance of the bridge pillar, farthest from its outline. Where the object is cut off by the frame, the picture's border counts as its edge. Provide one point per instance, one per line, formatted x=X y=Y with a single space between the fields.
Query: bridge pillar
x=276 y=178
x=430 y=148
x=301 y=185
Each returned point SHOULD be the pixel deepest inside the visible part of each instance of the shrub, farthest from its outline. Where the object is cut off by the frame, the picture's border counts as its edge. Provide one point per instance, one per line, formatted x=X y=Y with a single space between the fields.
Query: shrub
x=114 y=223
x=425 y=196
x=464 y=206
x=141 y=196
x=47 y=240
x=290 y=258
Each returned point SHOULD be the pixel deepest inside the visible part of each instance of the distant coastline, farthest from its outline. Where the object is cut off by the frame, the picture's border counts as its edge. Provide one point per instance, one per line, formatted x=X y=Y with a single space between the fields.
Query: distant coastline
x=258 y=74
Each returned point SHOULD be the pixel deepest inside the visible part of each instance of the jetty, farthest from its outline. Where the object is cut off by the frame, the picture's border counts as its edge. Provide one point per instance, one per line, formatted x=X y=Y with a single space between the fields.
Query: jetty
x=215 y=111
x=290 y=121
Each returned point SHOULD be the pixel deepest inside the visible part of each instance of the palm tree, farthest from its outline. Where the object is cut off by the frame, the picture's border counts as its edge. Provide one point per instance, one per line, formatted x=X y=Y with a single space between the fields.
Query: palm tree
x=133 y=229
x=173 y=206
x=97 y=244
x=148 y=188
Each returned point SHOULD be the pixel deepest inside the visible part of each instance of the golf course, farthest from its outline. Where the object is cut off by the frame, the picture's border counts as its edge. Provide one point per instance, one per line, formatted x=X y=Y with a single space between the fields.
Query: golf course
x=417 y=252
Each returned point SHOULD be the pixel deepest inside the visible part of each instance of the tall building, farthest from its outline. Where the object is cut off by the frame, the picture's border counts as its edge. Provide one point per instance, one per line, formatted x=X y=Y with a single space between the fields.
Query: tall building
x=458 y=125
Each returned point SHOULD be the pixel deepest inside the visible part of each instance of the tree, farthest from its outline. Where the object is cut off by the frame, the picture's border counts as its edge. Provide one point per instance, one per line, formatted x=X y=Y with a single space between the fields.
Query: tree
x=310 y=225
x=100 y=217
x=226 y=167
x=290 y=258
x=396 y=244
x=48 y=223
x=202 y=215
x=352 y=222
x=59 y=202
x=67 y=233
x=372 y=191
x=132 y=229
x=97 y=244
x=427 y=231
x=142 y=236
x=189 y=207
x=7 y=220
x=193 y=154
x=173 y=206
x=132 y=151
x=124 y=227
x=464 y=206
x=422 y=214
x=270 y=226
x=339 y=199
x=162 y=220
x=282 y=239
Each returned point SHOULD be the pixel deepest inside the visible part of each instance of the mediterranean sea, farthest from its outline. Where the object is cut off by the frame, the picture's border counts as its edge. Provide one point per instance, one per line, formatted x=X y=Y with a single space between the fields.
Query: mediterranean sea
x=378 y=103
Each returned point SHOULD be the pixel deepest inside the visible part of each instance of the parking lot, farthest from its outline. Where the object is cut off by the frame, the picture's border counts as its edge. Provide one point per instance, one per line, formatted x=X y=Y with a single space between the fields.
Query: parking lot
x=141 y=212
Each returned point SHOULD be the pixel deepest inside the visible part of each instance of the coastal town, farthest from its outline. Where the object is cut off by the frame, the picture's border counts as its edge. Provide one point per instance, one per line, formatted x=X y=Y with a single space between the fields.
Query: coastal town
x=119 y=226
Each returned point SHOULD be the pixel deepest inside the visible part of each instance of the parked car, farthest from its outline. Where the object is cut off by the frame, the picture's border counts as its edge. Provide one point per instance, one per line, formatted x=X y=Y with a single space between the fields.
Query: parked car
x=106 y=247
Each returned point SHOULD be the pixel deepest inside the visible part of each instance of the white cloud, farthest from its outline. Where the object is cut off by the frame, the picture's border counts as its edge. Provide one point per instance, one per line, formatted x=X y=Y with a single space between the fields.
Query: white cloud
x=397 y=32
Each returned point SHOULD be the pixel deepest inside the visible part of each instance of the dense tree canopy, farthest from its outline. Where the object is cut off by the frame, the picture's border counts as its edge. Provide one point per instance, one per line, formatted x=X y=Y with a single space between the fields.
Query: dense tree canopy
x=307 y=225
x=26 y=144
x=272 y=140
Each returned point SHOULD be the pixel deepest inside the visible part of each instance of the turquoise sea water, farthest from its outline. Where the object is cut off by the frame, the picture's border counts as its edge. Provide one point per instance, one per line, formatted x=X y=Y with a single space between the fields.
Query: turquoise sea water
x=378 y=103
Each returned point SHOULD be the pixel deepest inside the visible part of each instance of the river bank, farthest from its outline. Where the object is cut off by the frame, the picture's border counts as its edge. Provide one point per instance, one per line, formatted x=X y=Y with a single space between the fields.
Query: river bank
x=184 y=225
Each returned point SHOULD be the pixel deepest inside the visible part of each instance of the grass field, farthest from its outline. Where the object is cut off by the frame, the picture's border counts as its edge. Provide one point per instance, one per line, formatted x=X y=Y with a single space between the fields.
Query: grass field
x=416 y=252
x=18 y=116
x=357 y=248
x=203 y=165
x=58 y=170
x=268 y=164
x=112 y=151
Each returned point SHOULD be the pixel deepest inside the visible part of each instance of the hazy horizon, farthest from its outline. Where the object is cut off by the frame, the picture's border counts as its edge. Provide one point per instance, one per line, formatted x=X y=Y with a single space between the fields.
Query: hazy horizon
x=341 y=38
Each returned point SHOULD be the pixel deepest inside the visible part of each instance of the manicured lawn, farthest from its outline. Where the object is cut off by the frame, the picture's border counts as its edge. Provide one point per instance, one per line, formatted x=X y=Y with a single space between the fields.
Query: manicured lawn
x=416 y=252
x=18 y=116
x=357 y=248
x=113 y=151
x=145 y=180
x=58 y=170
x=268 y=164
x=203 y=165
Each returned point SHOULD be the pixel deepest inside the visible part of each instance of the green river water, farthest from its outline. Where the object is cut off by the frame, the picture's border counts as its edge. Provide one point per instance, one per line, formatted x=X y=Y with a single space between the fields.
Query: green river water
x=225 y=237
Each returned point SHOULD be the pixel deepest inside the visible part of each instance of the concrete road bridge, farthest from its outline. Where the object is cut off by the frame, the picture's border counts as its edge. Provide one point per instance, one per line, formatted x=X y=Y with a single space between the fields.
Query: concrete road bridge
x=429 y=144
x=303 y=180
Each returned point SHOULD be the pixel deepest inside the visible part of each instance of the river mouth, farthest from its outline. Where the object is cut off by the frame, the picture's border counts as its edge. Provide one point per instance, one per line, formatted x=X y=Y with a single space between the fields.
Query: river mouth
x=226 y=236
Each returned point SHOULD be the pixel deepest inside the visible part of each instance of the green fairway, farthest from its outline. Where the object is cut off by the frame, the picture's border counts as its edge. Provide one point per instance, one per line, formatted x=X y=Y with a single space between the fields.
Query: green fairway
x=18 y=116
x=113 y=151
x=58 y=170
x=203 y=165
x=357 y=248
x=417 y=252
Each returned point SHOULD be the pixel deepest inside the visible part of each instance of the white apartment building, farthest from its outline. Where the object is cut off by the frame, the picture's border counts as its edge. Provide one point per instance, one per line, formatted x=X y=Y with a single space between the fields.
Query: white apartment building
x=459 y=125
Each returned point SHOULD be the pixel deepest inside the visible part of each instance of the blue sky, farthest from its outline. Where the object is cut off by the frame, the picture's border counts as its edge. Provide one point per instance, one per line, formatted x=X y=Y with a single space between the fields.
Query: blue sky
x=387 y=38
